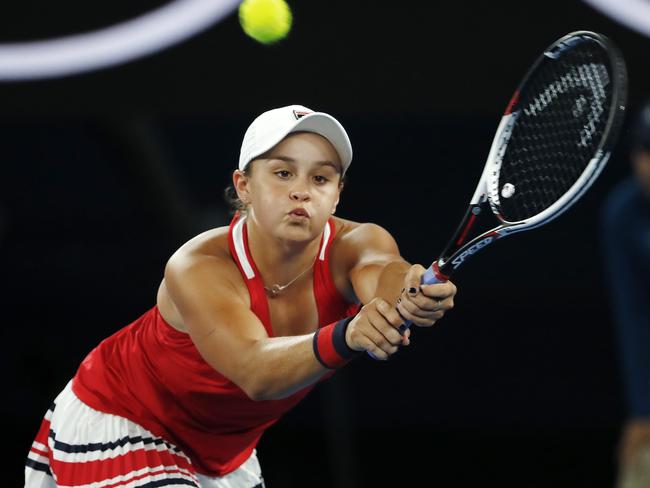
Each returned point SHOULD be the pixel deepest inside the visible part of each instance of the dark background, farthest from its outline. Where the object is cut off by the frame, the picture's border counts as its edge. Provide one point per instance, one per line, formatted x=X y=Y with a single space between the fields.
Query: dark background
x=104 y=175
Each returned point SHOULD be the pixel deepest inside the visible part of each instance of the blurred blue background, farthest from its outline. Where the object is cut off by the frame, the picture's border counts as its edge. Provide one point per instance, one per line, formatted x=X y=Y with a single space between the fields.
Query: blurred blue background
x=104 y=175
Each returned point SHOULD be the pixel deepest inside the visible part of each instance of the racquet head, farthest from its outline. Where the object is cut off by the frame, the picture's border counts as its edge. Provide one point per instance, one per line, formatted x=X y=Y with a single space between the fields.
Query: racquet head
x=554 y=139
x=558 y=130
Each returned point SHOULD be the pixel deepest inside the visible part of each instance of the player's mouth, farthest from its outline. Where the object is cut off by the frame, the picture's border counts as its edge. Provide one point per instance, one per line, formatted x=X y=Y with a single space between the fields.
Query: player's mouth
x=299 y=212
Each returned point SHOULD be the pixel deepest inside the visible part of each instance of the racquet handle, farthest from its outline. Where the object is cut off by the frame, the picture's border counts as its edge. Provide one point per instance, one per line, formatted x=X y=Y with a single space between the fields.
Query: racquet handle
x=430 y=277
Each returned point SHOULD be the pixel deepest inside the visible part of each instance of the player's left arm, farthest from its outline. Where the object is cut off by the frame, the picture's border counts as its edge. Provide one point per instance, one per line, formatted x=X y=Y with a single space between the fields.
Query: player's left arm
x=377 y=269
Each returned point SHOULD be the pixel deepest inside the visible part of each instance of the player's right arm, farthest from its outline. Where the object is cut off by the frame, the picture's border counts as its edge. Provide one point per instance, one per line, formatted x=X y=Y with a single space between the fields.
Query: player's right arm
x=234 y=341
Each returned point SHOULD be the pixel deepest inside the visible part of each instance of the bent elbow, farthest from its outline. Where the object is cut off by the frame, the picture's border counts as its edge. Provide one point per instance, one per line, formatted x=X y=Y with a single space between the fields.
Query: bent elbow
x=255 y=395
x=256 y=391
x=261 y=392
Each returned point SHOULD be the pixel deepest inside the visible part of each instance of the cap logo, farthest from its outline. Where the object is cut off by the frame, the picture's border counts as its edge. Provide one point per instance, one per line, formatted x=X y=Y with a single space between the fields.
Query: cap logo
x=298 y=114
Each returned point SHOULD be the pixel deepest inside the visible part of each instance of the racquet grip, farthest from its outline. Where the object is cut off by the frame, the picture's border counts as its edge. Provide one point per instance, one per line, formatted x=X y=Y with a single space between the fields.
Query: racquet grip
x=430 y=277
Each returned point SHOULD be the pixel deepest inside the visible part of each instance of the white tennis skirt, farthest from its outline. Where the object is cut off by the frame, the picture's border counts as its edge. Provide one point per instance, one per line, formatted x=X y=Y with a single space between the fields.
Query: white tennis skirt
x=77 y=446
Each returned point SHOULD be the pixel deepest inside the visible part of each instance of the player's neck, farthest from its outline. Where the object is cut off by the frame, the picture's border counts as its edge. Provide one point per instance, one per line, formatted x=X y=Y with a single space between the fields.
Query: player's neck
x=277 y=260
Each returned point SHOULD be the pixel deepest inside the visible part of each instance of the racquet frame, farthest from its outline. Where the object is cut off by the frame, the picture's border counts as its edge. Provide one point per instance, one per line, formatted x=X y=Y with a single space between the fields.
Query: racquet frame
x=459 y=248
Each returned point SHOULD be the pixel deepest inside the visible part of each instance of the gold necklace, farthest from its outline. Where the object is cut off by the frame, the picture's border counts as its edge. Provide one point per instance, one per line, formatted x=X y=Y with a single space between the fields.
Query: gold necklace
x=277 y=288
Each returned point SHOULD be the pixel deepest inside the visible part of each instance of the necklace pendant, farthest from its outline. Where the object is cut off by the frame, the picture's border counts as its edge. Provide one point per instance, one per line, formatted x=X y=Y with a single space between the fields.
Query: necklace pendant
x=275 y=290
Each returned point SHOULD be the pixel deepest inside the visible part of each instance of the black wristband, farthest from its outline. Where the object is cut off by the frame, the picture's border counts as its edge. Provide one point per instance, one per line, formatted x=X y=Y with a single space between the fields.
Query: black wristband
x=330 y=346
x=338 y=337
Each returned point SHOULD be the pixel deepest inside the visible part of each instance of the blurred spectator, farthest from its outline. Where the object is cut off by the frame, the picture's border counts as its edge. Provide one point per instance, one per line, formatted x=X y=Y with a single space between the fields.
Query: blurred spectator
x=626 y=226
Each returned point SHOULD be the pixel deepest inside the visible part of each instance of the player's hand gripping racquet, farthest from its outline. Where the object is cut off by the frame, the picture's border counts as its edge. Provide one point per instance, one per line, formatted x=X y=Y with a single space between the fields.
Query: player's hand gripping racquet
x=553 y=141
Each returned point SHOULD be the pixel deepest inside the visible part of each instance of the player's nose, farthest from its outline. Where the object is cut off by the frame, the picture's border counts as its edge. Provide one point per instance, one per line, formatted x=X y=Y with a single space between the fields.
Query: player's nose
x=300 y=190
x=300 y=195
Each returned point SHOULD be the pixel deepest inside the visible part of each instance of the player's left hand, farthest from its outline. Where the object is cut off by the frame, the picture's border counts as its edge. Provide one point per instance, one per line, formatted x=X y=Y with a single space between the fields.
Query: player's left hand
x=424 y=304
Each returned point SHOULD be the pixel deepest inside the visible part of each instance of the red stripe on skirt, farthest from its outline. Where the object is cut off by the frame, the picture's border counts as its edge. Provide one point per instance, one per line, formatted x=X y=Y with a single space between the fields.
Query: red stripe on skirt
x=140 y=476
x=82 y=473
x=40 y=452
x=43 y=432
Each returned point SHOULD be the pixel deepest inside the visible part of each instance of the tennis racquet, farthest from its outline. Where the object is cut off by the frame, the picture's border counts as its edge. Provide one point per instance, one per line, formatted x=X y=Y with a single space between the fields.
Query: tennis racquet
x=553 y=141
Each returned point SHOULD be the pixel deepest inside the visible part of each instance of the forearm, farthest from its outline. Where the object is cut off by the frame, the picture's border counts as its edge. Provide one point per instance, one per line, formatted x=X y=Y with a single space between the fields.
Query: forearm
x=277 y=367
x=280 y=366
x=383 y=280
x=391 y=281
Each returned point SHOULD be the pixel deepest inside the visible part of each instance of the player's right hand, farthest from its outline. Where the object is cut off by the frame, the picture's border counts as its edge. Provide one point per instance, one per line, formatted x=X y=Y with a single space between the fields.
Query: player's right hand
x=376 y=329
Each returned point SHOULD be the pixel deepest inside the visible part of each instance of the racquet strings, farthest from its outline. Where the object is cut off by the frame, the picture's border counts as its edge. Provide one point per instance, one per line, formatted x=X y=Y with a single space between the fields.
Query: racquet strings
x=562 y=115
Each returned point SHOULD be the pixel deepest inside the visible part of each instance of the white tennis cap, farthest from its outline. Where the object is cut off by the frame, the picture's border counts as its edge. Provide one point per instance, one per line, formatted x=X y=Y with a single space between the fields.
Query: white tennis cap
x=271 y=127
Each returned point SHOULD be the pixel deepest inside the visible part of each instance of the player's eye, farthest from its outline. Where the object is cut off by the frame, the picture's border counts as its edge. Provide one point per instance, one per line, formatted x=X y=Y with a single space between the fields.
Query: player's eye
x=320 y=179
x=283 y=173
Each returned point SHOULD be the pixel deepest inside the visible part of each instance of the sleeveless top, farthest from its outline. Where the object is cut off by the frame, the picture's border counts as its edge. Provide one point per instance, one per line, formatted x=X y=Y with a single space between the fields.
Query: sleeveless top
x=153 y=374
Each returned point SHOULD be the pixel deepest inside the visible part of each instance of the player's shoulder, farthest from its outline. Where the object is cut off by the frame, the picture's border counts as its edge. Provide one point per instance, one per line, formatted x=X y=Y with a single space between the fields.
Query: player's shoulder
x=350 y=230
x=359 y=236
x=209 y=249
x=202 y=264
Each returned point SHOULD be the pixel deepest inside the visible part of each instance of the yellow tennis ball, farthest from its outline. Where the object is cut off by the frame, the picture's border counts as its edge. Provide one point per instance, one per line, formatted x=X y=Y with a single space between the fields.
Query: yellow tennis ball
x=266 y=21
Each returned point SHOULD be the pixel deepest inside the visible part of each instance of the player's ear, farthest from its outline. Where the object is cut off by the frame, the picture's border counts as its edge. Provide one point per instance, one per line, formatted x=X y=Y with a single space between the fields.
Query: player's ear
x=341 y=181
x=241 y=183
x=336 y=204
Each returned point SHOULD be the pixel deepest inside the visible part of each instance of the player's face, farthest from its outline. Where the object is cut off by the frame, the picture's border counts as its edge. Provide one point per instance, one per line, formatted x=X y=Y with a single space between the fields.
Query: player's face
x=294 y=188
x=641 y=164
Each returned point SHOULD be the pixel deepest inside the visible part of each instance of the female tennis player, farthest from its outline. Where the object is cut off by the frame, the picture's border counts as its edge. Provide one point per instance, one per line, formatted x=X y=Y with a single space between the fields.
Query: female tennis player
x=248 y=318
